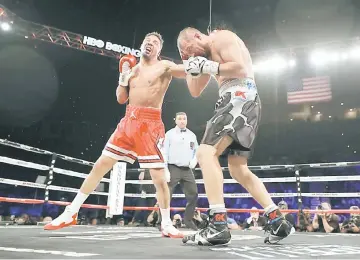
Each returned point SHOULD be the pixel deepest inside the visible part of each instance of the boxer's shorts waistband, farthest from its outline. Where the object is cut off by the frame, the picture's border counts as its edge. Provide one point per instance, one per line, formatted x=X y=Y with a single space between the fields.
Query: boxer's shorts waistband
x=230 y=83
x=145 y=113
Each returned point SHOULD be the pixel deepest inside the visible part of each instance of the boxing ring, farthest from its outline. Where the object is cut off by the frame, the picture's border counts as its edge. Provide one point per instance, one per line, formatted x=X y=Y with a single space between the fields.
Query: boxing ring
x=118 y=242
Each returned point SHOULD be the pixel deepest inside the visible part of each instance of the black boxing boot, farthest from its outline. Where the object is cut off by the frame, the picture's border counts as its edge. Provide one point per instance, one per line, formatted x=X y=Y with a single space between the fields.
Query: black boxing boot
x=216 y=232
x=277 y=227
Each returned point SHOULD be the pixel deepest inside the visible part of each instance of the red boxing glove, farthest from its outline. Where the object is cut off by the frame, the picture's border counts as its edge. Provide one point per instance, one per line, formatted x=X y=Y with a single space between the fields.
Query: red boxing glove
x=127 y=62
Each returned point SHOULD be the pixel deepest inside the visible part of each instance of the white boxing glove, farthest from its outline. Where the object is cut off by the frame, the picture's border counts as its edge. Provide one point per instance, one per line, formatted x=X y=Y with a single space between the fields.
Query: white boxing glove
x=167 y=174
x=193 y=163
x=199 y=65
x=124 y=78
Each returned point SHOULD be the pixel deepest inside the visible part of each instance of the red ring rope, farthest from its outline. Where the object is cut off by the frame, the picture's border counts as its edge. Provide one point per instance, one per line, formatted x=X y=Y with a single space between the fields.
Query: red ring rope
x=92 y=206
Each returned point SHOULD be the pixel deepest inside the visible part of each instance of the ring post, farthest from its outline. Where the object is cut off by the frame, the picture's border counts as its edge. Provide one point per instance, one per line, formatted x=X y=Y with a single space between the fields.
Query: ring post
x=116 y=196
x=50 y=177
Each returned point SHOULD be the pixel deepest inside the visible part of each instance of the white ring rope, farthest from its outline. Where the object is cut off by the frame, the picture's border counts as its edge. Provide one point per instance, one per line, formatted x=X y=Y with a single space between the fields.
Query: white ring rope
x=40 y=151
x=272 y=180
x=226 y=195
x=44 y=168
x=42 y=186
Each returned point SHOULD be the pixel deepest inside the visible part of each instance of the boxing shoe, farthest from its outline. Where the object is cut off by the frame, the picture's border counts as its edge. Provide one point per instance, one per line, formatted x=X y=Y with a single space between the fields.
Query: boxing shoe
x=214 y=234
x=277 y=227
x=67 y=218
x=171 y=231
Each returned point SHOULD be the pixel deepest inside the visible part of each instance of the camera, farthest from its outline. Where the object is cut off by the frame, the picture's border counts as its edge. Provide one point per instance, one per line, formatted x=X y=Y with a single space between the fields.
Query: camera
x=178 y=223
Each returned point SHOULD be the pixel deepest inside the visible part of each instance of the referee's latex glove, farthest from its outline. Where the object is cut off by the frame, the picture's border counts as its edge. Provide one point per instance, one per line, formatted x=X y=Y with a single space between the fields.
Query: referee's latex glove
x=193 y=163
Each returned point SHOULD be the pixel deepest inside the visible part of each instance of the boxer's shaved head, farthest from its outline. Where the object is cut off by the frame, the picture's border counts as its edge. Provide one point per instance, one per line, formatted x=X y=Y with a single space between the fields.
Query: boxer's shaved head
x=186 y=35
x=190 y=42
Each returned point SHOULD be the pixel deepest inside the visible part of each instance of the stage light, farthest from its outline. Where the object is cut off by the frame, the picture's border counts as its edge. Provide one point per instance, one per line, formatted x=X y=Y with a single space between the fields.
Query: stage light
x=351 y=109
x=344 y=56
x=334 y=57
x=355 y=53
x=329 y=116
x=5 y=27
x=318 y=57
x=318 y=112
x=277 y=63
x=342 y=104
x=292 y=63
x=312 y=106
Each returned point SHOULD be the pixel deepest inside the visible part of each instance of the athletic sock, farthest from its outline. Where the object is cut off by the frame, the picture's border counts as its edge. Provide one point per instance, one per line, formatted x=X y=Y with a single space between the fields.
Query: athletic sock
x=165 y=217
x=218 y=215
x=272 y=211
x=78 y=201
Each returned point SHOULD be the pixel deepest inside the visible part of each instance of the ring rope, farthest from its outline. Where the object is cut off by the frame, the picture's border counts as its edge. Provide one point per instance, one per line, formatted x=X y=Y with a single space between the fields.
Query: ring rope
x=41 y=151
x=234 y=195
x=135 y=195
x=26 y=164
x=61 y=203
x=259 y=167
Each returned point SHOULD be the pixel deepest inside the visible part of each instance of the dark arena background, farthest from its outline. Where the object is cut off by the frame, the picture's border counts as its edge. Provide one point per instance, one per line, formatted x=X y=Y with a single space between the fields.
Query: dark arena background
x=58 y=76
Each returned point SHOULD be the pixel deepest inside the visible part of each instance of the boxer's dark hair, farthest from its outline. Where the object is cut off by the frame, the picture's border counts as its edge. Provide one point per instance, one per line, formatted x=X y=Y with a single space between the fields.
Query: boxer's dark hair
x=158 y=35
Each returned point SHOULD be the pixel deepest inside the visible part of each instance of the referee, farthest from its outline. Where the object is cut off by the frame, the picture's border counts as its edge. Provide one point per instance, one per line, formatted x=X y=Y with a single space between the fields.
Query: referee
x=179 y=148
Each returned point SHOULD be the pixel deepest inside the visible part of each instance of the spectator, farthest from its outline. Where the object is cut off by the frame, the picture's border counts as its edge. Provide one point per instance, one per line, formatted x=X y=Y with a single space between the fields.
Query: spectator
x=140 y=215
x=177 y=221
x=47 y=219
x=352 y=225
x=121 y=221
x=94 y=222
x=152 y=219
x=325 y=222
x=304 y=223
x=289 y=217
x=200 y=219
x=255 y=221
x=231 y=223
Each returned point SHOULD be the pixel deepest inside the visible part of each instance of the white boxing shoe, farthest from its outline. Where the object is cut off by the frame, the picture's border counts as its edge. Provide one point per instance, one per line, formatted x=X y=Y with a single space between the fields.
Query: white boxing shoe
x=67 y=218
x=171 y=231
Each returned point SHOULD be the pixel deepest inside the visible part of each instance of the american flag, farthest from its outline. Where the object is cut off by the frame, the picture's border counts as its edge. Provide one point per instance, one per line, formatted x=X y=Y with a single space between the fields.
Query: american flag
x=315 y=89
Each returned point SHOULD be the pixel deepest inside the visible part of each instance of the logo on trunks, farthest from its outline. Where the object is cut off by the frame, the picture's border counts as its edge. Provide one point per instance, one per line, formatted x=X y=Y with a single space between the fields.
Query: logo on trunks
x=240 y=94
x=110 y=46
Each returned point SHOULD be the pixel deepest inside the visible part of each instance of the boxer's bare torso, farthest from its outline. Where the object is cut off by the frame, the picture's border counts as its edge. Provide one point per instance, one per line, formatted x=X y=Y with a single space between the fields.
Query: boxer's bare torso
x=222 y=54
x=148 y=85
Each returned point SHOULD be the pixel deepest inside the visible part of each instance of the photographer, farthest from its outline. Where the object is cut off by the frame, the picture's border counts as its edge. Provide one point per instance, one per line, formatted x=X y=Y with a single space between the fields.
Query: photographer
x=304 y=222
x=177 y=221
x=200 y=219
x=152 y=219
x=352 y=225
x=289 y=217
x=325 y=222
x=255 y=221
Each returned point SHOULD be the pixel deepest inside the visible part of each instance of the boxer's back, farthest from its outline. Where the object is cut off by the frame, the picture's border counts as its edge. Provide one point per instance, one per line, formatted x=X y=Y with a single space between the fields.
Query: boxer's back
x=148 y=85
x=231 y=55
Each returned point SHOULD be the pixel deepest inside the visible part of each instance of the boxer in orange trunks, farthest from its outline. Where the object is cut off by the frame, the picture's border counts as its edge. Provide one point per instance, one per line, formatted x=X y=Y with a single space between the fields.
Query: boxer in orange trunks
x=140 y=134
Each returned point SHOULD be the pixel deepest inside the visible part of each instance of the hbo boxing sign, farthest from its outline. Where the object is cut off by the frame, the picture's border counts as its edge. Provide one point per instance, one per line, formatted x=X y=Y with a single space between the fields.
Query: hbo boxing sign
x=110 y=46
